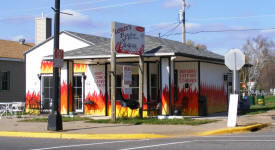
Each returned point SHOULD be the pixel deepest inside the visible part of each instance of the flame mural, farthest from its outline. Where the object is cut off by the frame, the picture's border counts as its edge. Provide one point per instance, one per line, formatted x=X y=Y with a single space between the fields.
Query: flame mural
x=64 y=103
x=63 y=98
x=95 y=104
x=126 y=111
x=33 y=102
x=165 y=100
x=46 y=67
x=187 y=101
x=79 y=68
x=216 y=97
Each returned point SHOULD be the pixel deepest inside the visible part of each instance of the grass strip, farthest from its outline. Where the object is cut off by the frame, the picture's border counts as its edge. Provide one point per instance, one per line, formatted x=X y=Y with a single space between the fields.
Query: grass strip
x=64 y=119
x=155 y=121
x=134 y=121
x=258 y=109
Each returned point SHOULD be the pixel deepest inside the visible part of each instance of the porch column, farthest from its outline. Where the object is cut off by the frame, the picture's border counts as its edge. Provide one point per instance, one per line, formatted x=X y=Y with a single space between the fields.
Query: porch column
x=165 y=87
x=172 y=86
x=66 y=89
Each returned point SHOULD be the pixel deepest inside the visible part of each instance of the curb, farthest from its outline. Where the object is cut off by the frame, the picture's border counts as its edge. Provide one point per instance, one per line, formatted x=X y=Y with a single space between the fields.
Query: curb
x=249 y=128
x=80 y=136
x=124 y=136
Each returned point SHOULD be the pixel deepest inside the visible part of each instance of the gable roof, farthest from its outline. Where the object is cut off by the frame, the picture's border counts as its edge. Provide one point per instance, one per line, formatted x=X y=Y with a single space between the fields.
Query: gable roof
x=13 y=49
x=90 y=40
x=154 y=46
x=95 y=40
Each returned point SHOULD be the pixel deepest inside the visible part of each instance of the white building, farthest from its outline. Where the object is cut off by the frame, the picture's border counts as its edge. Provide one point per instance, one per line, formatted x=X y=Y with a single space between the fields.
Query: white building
x=177 y=78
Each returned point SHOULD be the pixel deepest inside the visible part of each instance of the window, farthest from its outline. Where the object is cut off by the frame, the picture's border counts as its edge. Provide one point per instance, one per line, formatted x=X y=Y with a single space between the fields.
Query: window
x=154 y=87
x=77 y=93
x=4 y=80
x=134 y=86
x=119 y=86
x=47 y=91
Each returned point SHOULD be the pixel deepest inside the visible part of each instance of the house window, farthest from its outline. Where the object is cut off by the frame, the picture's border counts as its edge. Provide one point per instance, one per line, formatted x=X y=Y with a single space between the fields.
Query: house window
x=154 y=87
x=78 y=93
x=119 y=86
x=47 y=92
x=4 y=80
x=134 y=86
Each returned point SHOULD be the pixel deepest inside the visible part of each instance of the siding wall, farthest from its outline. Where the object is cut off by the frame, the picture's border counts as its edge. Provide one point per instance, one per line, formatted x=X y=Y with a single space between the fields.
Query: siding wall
x=213 y=86
x=16 y=91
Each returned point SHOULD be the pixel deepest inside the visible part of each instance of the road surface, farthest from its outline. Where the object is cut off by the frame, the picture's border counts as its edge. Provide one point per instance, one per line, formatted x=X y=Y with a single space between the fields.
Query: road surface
x=263 y=140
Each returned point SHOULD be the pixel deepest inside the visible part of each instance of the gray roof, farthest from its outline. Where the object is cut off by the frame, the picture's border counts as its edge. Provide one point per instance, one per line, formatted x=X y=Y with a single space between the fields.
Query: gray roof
x=89 y=39
x=95 y=40
x=153 y=46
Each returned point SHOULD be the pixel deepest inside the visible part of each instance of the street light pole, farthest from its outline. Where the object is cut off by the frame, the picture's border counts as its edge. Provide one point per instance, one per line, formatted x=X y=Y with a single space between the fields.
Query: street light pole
x=55 y=118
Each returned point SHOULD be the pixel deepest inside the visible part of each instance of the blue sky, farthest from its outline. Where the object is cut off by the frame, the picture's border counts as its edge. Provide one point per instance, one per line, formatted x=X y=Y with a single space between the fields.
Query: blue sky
x=157 y=16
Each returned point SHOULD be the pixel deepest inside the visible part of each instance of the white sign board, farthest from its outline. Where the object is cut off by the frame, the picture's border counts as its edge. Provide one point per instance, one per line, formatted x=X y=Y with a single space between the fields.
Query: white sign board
x=127 y=75
x=234 y=59
x=58 y=58
x=129 y=39
x=232 y=110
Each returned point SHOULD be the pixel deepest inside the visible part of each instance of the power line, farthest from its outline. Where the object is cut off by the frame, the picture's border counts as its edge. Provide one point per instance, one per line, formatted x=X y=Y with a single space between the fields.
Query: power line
x=89 y=9
x=162 y=26
x=174 y=28
x=234 y=17
x=65 y=4
x=228 y=30
x=116 y=5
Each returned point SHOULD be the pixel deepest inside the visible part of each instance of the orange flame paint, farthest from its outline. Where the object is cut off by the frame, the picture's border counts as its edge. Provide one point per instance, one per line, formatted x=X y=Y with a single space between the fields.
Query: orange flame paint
x=32 y=102
x=63 y=98
x=46 y=67
x=216 y=97
x=125 y=111
x=79 y=68
x=165 y=100
x=187 y=101
x=98 y=104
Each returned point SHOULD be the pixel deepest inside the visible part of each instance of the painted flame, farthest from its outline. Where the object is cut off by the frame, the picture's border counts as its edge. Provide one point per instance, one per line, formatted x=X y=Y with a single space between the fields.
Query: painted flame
x=216 y=97
x=80 y=68
x=46 y=67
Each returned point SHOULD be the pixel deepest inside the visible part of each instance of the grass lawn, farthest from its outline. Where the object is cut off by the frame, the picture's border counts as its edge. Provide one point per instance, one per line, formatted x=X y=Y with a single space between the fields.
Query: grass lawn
x=136 y=121
x=257 y=109
x=64 y=119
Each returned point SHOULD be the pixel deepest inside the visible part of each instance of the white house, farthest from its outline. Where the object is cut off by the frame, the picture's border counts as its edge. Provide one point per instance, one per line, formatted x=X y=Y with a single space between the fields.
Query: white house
x=178 y=79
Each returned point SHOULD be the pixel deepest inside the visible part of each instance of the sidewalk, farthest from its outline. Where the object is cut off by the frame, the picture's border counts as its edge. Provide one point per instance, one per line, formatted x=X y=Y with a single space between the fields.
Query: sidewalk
x=77 y=129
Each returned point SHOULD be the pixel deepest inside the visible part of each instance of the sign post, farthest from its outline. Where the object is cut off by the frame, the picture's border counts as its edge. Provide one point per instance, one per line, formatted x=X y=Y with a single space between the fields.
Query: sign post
x=127 y=39
x=55 y=118
x=234 y=60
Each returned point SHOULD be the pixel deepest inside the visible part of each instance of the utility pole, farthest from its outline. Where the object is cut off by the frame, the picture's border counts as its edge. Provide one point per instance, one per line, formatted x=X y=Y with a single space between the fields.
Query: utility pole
x=113 y=74
x=55 y=118
x=183 y=21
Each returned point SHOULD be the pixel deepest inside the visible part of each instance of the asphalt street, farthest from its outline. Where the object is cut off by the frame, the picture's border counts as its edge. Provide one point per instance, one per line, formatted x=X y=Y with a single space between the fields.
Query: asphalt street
x=263 y=140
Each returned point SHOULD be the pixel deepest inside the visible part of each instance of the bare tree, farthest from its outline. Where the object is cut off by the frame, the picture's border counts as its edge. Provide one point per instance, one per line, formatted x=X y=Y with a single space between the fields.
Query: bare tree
x=198 y=46
x=258 y=52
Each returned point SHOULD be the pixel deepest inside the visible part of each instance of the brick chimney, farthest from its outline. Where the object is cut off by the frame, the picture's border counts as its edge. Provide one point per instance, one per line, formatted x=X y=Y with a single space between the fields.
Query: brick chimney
x=43 y=29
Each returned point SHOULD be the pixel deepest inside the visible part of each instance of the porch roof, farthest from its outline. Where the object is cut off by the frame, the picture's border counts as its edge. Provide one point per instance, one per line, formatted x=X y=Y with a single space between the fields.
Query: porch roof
x=154 y=46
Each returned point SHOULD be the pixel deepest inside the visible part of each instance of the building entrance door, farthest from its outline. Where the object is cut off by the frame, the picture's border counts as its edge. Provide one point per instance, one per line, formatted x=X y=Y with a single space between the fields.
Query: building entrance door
x=78 y=93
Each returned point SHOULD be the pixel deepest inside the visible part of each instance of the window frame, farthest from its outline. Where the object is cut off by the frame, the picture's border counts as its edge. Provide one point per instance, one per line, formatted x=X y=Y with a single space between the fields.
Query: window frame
x=7 y=80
